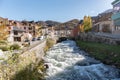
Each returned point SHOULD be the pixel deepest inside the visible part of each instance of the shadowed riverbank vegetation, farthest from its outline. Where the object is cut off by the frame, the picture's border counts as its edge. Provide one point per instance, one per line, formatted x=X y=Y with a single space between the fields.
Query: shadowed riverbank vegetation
x=109 y=54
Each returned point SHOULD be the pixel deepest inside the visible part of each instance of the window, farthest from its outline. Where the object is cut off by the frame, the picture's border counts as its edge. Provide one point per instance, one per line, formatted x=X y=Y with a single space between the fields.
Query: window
x=116 y=9
x=15 y=33
x=30 y=28
x=24 y=27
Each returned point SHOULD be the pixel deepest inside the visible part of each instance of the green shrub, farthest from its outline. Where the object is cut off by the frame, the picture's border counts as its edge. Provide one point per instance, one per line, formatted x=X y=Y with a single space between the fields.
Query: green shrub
x=14 y=47
x=3 y=42
x=4 y=48
x=50 y=42
x=13 y=59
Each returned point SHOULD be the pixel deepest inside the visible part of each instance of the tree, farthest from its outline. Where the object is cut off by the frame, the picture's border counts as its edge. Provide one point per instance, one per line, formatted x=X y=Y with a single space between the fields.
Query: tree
x=38 y=30
x=3 y=32
x=87 y=22
x=81 y=28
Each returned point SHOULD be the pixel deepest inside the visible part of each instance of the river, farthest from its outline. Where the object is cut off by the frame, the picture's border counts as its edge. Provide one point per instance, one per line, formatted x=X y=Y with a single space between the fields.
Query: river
x=67 y=62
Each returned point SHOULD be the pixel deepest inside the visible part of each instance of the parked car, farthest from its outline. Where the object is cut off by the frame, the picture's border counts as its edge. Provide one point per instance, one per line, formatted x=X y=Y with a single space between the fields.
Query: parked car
x=26 y=40
x=42 y=37
x=38 y=38
x=33 y=39
x=26 y=43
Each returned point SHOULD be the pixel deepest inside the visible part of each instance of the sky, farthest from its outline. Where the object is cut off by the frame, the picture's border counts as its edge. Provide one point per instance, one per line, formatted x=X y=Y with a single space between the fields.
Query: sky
x=57 y=10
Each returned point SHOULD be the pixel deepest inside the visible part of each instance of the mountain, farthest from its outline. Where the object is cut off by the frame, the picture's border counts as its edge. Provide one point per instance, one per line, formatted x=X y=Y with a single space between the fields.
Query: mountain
x=69 y=24
x=58 y=25
x=53 y=23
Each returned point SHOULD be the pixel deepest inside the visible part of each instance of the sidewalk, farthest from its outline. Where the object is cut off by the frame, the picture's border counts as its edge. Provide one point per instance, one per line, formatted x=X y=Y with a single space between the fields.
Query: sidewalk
x=113 y=36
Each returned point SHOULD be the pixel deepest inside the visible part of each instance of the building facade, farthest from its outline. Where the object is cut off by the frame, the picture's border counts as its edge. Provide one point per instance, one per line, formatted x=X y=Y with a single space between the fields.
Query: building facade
x=116 y=16
x=15 y=34
x=103 y=22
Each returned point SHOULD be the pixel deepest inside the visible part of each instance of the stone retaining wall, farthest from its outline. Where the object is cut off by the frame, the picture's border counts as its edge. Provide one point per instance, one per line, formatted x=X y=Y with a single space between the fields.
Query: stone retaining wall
x=20 y=61
x=100 y=39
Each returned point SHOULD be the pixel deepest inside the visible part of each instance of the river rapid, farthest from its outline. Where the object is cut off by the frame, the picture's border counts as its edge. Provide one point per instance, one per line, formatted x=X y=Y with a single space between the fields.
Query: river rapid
x=67 y=62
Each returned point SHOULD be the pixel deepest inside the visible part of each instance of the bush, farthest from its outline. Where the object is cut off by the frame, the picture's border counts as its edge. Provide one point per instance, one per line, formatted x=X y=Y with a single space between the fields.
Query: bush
x=14 y=47
x=4 y=48
x=3 y=42
x=50 y=43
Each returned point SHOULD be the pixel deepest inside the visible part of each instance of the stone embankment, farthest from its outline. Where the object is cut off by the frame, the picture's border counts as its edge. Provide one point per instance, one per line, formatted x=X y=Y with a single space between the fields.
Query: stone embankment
x=99 y=38
x=21 y=61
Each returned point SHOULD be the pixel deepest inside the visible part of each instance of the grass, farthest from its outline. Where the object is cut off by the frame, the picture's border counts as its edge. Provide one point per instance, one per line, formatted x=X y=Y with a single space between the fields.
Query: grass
x=28 y=74
x=21 y=67
x=9 y=47
x=4 y=48
x=109 y=54
x=14 y=47
x=49 y=43
x=2 y=42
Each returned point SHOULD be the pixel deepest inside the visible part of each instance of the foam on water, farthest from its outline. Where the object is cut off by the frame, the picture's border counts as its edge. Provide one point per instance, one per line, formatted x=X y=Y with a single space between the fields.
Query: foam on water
x=67 y=62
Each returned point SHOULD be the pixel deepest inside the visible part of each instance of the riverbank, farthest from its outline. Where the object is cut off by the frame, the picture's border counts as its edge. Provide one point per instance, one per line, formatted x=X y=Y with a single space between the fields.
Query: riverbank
x=26 y=65
x=108 y=54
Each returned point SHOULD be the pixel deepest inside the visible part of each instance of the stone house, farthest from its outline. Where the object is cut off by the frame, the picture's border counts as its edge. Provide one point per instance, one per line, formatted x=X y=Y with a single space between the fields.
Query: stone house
x=78 y=29
x=75 y=32
x=29 y=27
x=64 y=31
x=18 y=31
x=15 y=34
x=103 y=22
x=51 y=31
x=44 y=31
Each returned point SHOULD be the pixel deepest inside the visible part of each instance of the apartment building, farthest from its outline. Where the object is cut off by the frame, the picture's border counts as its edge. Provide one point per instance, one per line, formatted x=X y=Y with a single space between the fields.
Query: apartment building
x=116 y=16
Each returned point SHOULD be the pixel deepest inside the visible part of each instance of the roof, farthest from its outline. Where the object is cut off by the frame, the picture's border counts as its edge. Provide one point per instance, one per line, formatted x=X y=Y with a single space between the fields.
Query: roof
x=49 y=25
x=17 y=29
x=108 y=11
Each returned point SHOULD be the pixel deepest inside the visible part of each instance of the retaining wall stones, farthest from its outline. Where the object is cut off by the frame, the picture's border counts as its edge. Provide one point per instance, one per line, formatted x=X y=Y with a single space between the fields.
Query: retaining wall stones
x=100 y=39
x=20 y=61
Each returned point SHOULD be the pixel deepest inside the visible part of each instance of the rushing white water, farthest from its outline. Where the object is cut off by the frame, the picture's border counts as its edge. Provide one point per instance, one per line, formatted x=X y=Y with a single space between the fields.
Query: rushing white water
x=67 y=62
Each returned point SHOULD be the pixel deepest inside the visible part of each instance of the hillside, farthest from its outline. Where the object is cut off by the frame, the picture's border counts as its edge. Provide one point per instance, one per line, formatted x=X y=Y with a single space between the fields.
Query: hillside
x=69 y=24
x=58 y=25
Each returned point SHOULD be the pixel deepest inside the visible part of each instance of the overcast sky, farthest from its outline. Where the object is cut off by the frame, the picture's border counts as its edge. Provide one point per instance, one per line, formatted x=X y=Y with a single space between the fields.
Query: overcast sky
x=58 y=10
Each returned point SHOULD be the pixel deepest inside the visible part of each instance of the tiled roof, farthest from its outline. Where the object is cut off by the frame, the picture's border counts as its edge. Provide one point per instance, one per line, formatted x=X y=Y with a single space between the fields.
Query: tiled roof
x=17 y=29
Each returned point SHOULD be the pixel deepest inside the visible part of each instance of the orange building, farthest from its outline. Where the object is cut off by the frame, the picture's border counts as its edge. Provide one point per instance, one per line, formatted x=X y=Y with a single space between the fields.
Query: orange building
x=79 y=28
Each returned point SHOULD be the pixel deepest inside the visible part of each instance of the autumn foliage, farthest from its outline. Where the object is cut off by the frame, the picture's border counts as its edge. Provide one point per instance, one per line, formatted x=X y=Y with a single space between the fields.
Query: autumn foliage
x=87 y=22
x=85 y=25
x=81 y=28
x=3 y=32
